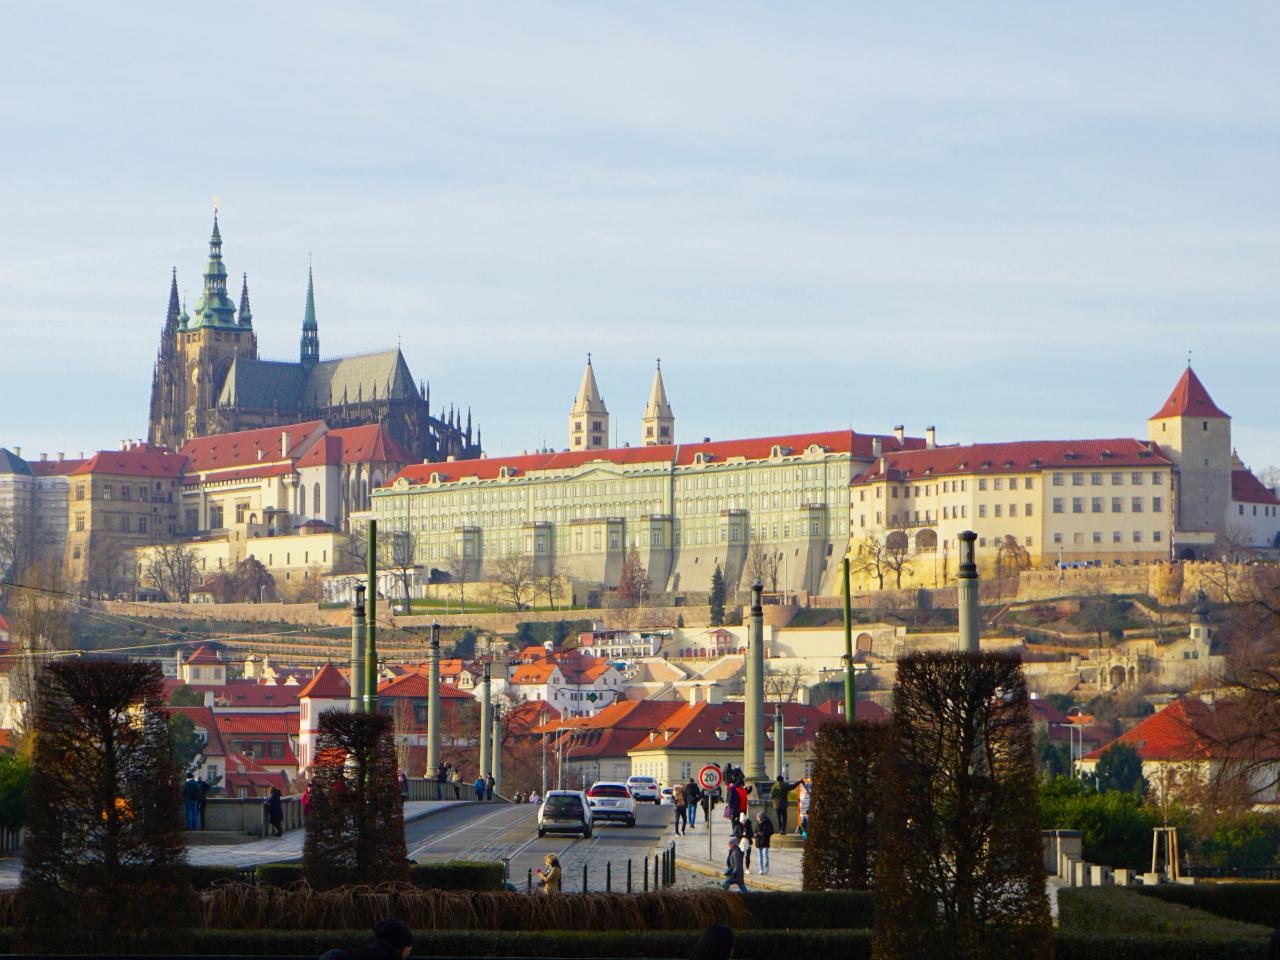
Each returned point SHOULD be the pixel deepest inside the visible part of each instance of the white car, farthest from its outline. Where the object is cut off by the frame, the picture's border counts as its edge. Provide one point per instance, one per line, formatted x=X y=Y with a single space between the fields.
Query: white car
x=668 y=797
x=565 y=811
x=643 y=788
x=612 y=801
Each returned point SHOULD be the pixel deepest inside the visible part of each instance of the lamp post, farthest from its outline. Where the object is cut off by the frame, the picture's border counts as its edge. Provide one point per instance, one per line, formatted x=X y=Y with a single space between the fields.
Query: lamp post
x=433 y=703
x=544 y=717
x=371 y=649
x=753 y=708
x=357 y=652
x=496 y=751
x=850 y=688
x=486 y=716
x=967 y=593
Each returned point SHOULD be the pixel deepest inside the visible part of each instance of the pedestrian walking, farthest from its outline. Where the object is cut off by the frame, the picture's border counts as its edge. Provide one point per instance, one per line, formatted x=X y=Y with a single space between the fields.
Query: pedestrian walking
x=682 y=818
x=745 y=834
x=806 y=798
x=692 y=794
x=191 y=796
x=733 y=865
x=780 y=797
x=306 y=802
x=275 y=812
x=479 y=788
x=442 y=773
x=488 y=786
x=550 y=877
x=764 y=837
x=404 y=786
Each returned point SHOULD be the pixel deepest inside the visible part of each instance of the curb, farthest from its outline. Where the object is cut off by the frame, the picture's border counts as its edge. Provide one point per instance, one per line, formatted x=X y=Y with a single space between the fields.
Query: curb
x=754 y=882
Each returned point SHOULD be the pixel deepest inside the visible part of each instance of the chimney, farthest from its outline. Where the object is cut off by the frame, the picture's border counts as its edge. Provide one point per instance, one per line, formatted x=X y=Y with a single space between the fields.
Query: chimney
x=17 y=452
x=900 y=432
x=61 y=456
x=450 y=459
x=930 y=437
x=124 y=444
x=44 y=457
x=695 y=695
x=714 y=695
x=284 y=444
x=876 y=447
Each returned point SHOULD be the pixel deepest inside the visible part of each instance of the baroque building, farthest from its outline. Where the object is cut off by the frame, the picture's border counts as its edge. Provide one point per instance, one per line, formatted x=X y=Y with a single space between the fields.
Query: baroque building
x=209 y=379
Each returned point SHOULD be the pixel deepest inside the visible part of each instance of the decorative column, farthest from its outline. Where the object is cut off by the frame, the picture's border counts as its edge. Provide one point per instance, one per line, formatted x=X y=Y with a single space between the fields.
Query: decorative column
x=967 y=593
x=357 y=653
x=779 y=763
x=753 y=705
x=371 y=651
x=486 y=716
x=496 y=751
x=850 y=689
x=433 y=704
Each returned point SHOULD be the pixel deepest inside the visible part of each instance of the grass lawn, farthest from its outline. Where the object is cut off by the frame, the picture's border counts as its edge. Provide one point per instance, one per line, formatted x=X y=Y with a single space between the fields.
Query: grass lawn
x=1108 y=910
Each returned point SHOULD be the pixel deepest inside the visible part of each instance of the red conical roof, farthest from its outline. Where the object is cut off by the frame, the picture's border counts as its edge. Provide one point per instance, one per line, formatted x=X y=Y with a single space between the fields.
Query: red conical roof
x=1189 y=399
x=327 y=684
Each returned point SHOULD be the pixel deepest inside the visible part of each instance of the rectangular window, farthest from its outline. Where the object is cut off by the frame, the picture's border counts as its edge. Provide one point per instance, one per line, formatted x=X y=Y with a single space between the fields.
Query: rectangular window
x=79 y=491
x=1057 y=538
x=1029 y=541
x=1137 y=536
x=999 y=510
x=106 y=491
x=1095 y=505
x=126 y=492
x=1095 y=479
x=1115 y=536
x=1013 y=483
x=1157 y=505
x=1117 y=505
x=1097 y=536
x=1137 y=504
x=142 y=524
x=1027 y=483
x=1057 y=504
x=1027 y=510
x=1077 y=504
x=982 y=510
x=1117 y=479
x=1013 y=509
x=1137 y=479
x=1077 y=479
x=1057 y=479
x=79 y=523
x=998 y=483
x=1077 y=538
x=982 y=483
x=1157 y=536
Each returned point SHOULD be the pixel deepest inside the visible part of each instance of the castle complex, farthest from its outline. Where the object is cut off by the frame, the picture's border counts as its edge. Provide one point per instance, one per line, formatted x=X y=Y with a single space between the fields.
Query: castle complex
x=208 y=379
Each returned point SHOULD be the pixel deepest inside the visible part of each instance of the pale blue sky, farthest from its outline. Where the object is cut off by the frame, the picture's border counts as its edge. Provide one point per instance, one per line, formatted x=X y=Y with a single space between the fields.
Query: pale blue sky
x=1011 y=220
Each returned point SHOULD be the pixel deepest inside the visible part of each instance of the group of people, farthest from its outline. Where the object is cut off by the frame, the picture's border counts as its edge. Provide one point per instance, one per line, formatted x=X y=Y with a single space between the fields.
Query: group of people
x=195 y=799
x=448 y=773
x=531 y=796
x=484 y=786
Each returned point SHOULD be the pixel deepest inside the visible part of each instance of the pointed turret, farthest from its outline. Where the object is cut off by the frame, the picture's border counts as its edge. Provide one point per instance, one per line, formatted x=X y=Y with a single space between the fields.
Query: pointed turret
x=659 y=423
x=310 y=330
x=214 y=308
x=588 y=418
x=171 y=315
x=246 y=315
x=1189 y=399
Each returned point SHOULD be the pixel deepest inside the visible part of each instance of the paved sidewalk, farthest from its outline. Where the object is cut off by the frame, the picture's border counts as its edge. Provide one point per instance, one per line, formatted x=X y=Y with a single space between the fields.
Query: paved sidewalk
x=786 y=864
x=267 y=850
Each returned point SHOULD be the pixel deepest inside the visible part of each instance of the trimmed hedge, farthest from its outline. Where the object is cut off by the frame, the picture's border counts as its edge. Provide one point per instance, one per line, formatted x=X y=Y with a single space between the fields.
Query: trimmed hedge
x=1101 y=911
x=753 y=944
x=456 y=875
x=819 y=910
x=203 y=877
x=1246 y=902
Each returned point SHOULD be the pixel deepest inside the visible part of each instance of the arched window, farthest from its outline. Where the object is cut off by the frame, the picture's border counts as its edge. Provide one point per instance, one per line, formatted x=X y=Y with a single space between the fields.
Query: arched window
x=315 y=500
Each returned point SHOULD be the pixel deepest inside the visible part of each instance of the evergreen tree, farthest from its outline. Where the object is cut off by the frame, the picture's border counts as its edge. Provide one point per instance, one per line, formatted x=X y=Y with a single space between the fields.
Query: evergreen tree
x=1120 y=768
x=716 y=598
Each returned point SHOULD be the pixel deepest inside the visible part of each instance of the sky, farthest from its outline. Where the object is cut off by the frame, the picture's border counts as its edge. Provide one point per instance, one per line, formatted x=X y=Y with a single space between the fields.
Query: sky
x=1012 y=220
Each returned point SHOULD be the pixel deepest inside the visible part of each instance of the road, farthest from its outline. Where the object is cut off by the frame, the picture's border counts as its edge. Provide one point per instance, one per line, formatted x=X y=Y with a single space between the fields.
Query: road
x=505 y=831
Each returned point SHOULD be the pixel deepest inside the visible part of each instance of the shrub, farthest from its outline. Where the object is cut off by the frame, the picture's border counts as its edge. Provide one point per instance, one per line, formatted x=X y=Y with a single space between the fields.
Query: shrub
x=355 y=827
x=1094 y=946
x=1104 y=910
x=105 y=853
x=15 y=780
x=1245 y=840
x=959 y=863
x=260 y=906
x=202 y=877
x=1246 y=902
x=819 y=910
x=278 y=874
x=1116 y=826
x=454 y=875
x=846 y=774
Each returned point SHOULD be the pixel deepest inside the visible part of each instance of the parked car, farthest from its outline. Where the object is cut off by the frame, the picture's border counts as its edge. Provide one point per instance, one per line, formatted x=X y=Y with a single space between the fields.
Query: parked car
x=565 y=811
x=667 y=798
x=612 y=801
x=643 y=788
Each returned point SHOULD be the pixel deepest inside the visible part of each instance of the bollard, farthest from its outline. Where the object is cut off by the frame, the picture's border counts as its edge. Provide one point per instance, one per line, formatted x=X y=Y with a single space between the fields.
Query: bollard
x=531 y=879
x=608 y=877
x=628 y=874
x=584 y=878
x=655 y=871
x=646 y=873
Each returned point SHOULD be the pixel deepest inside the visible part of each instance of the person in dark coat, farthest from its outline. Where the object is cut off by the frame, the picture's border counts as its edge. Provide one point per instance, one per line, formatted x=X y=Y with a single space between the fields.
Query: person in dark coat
x=392 y=940
x=692 y=795
x=404 y=786
x=764 y=835
x=205 y=787
x=780 y=796
x=716 y=943
x=733 y=868
x=275 y=812
x=489 y=783
x=745 y=834
x=191 y=797
x=479 y=788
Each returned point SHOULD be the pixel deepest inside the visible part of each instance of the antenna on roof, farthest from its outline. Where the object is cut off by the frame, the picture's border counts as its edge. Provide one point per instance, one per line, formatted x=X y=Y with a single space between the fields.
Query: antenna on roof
x=1188 y=356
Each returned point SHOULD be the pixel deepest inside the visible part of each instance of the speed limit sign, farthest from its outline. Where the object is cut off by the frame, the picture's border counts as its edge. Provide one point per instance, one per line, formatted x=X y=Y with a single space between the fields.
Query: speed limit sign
x=709 y=777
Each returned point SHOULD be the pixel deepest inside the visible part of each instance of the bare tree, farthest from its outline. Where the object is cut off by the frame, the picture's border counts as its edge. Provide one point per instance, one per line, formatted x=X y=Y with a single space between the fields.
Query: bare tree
x=1233 y=548
x=399 y=555
x=868 y=558
x=897 y=556
x=459 y=568
x=1270 y=476
x=43 y=622
x=513 y=580
x=172 y=569
x=783 y=684
x=552 y=579
x=633 y=581
x=763 y=565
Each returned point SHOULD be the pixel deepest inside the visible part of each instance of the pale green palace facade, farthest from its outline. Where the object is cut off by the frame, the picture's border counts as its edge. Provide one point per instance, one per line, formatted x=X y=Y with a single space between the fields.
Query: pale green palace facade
x=685 y=507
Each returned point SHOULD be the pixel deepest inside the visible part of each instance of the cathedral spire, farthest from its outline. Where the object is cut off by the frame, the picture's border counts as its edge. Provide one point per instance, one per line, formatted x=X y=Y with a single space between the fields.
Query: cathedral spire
x=588 y=418
x=246 y=315
x=171 y=315
x=310 y=330
x=659 y=422
x=214 y=308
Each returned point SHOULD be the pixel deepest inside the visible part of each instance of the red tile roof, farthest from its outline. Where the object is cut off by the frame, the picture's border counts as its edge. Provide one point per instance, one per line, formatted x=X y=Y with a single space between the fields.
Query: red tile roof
x=246 y=473
x=535 y=673
x=367 y=444
x=525 y=716
x=238 y=724
x=244 y=771
x=327 y=684
x=250 y=693
x=1184 y=730
x=4 y=624
x=142 y=460
x=837 y=441
x=419 y=685
x=1246 y=488
x=204 y=654
x=1189 y=399
x=865 y=709
x=1021 y=456
x=54 y=468
x=639 y=715
x=706 y=726
x=241 y=449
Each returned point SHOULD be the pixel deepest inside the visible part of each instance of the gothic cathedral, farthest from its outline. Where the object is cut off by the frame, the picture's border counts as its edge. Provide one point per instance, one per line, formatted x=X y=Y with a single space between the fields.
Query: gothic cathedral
x=208 y=379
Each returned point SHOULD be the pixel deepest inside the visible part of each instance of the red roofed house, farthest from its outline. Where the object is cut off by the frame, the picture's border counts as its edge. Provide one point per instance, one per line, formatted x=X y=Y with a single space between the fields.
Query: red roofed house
x=1253 y=519
x=269 y=738
x=596 y=748
x=247 y=777
x=697 y=734
x=327 y=690
x=406 y=700
x=214 y=764
x=119 y=500
x=686 y=507
x=1191 y=739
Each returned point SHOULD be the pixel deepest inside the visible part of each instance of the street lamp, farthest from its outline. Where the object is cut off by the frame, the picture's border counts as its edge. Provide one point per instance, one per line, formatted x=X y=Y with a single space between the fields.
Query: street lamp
x=543 y=717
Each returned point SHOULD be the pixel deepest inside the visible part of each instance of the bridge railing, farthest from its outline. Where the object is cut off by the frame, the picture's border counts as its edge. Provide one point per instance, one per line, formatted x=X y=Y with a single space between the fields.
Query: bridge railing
x=249 y=814
x=423 y=789
x=10 y=840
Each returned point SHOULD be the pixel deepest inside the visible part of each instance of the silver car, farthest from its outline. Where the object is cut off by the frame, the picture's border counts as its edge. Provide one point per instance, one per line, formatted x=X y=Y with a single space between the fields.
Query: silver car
x=565 y=811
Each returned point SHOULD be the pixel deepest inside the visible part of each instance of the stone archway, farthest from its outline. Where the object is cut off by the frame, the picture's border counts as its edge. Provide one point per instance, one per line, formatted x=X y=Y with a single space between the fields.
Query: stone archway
x=863 y=643
x=897 y=540
x=1187 y=553
x=927 y=541
x=1117 y=676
